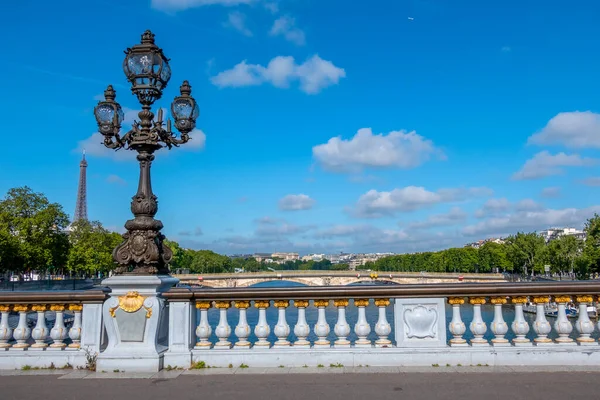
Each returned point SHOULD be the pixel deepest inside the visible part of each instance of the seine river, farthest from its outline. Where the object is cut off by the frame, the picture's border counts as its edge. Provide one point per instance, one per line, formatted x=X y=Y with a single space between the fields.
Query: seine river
x=372 y=315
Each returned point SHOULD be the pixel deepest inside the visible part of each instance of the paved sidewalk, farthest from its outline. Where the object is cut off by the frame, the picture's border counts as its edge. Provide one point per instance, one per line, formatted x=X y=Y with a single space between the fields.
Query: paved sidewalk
x=460 y=383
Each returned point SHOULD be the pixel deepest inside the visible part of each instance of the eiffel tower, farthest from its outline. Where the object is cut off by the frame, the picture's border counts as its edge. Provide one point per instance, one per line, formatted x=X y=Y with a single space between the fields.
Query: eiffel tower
x=81 y=206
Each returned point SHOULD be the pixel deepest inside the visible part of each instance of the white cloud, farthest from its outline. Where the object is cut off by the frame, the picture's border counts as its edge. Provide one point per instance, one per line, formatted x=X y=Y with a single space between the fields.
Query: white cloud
x=452 y=217
x=272 y=6
x=398 y=149
x=544 y=164
x=116 y=180
x=571 y=129
x=286 y=27
x=493 y=206
x=313 y=75
x=180 y=5
x=527 y=221
x=237 y=21
x=296 y=202
x=550 y=192
x=591 y=181
x=374 y=204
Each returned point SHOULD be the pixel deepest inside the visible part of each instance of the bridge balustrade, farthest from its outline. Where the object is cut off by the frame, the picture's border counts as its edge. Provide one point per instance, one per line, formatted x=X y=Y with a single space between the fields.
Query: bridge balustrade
x=423 y=334
x=50 y=329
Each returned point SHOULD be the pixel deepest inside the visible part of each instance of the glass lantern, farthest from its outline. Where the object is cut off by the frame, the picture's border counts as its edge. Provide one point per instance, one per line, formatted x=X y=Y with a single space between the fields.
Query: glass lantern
x=109 y=114
x=147 y=69
x=184 y=109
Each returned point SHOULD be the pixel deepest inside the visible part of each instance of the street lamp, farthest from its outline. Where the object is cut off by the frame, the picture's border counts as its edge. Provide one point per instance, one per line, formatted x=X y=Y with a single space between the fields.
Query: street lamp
x=147 y=69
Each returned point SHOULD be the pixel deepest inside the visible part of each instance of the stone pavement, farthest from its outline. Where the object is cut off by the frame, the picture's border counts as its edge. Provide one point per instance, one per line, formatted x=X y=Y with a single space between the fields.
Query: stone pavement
x=366 y=383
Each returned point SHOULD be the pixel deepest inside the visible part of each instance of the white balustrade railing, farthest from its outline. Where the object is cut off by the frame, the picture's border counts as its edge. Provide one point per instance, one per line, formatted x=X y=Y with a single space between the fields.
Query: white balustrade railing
x=333 y=327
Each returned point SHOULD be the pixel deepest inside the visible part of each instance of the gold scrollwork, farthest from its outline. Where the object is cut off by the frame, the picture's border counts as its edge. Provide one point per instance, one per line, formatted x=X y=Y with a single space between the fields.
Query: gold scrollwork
x=541 y=299
x=39 y=307
x=562 y=299
x=321 y=303
x=456 y=300
x=477 y=300
x=130 y=303
x=222 y=304
x=4 y=307
x=382 y=302
x=585 y=299
x=341 y=302
x=203 y=305
x=262 y=303
x=301 y=303
x=21 y=307
x=242 y=304
x=281 y=303
x=519 y=300
x=57 y=307
x=76 y=307
x=361 y=302
x=498 y=300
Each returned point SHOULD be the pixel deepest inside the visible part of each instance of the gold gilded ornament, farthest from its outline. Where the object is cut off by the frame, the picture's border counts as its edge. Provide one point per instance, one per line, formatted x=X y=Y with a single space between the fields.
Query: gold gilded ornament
x=301 y=303
x=341 y=303
x=382 y=302
x=75 y=307
x=39 y=307
x=541 y=299
x=4 y=308
x=203 y=305
x=242 y=304
x=222 y=304
x=57 y=307
x=477 y=300
x=321 y=303
x=498 y=300
x=585 y=299
x=456 y=300
x=519 y=300
x=361 y=302
x=20 y=307
x=281 y=303
x=262 y=303
x=562 y=299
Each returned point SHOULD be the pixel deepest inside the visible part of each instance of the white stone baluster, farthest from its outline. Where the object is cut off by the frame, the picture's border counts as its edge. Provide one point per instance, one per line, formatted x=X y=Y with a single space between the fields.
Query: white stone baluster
x=75 y=331
x=499 y=326
x=40 y=332
x=22 y=332
x=541 y=326
x=519 y=326
x=584 y=326
x=362 y=327
x=322 y=326
x=457 y=326
x=223 y=330
x=477 y=326
x=242 y=330
x=282 y=329
x=5 y=330
x=59 y=332
x=262 y=329
x=382 y=327
x=301 y=330
x=341 y=328
x=562 y=325
x=203 y=330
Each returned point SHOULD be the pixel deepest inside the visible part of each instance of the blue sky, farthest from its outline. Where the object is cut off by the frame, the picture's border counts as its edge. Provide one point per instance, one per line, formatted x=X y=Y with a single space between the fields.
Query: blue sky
x=325 y=126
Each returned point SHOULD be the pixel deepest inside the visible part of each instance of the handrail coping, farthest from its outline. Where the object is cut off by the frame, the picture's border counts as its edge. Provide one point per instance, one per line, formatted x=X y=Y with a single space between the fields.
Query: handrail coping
x=50 y=296
x=391 y=291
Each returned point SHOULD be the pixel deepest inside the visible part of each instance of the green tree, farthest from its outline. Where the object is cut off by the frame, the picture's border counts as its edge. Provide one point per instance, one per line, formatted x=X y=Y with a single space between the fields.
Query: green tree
x=91 y=248
x=562 y=253
x=493 y=255
x=591 y=247
x=37 y=228
x=526 y=252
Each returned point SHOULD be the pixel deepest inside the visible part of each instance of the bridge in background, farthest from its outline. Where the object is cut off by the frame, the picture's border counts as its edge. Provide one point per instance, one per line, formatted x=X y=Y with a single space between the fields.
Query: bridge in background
x=331 y=278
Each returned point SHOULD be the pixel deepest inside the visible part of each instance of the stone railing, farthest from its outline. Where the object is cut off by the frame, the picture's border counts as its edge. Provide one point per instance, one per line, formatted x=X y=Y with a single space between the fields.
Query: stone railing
x=50 y=329
x=391 y=325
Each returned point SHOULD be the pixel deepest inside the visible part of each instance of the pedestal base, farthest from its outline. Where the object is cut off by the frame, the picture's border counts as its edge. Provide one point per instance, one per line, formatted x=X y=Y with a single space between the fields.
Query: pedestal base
x=136 y=320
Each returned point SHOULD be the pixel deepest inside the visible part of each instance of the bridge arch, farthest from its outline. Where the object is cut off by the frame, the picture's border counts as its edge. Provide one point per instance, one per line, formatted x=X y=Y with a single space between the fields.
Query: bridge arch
x=291 y=282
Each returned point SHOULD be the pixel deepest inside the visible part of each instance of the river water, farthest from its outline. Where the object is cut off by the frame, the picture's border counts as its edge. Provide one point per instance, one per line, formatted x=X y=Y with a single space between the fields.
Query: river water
x=372 y=315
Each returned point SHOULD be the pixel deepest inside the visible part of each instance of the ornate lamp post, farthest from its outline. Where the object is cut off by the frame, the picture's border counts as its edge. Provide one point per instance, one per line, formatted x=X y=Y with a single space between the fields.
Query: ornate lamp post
x=147 y=69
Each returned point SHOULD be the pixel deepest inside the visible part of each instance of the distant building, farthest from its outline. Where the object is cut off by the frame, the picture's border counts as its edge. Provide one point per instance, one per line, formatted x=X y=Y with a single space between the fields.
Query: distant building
x=260 y=257
x=284 y=257
x=481 y=242
x=554 y=233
